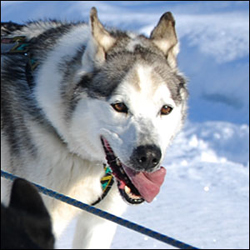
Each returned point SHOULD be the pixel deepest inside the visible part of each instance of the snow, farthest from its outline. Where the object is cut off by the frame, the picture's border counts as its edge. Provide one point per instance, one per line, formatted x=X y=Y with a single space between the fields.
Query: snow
x=205 y=197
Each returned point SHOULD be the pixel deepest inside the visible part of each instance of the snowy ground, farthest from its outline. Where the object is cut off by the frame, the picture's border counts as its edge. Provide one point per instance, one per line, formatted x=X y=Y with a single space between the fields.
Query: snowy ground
x=205 y=197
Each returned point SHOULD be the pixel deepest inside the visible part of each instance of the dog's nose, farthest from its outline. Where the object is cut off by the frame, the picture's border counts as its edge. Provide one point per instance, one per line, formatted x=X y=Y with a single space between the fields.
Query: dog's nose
x=147 y=157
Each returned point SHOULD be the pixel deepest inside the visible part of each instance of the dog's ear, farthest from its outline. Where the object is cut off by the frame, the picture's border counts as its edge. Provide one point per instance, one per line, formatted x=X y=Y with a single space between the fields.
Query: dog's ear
x=164 y=37
x=102 y=38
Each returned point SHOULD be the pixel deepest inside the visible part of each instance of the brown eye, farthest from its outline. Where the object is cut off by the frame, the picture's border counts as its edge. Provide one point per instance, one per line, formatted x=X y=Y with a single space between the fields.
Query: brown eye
x=165 y=110
x=120 y=107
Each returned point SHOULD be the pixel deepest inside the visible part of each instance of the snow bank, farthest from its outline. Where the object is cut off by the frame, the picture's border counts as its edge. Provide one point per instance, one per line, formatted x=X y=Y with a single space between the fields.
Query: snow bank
x=205 y=197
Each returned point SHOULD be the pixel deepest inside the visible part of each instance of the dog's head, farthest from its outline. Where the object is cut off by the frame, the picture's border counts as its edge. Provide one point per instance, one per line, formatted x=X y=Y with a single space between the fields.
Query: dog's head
x=133 y=104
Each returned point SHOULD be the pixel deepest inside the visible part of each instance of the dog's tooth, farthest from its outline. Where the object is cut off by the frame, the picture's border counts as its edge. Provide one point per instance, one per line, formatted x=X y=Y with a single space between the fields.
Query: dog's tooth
x=127 y=189
x=131 y=195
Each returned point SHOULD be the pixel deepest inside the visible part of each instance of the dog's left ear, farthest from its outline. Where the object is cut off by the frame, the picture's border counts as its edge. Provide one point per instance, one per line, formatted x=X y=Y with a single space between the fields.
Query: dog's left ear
x=104 y=41
x=164 y=37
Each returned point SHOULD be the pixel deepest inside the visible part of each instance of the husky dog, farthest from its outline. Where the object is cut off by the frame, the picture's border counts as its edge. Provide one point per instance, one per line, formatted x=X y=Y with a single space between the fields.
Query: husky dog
x=75 y=97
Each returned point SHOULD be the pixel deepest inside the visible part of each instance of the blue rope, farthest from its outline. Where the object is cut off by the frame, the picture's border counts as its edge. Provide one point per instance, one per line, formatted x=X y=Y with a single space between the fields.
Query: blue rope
x=105 y=215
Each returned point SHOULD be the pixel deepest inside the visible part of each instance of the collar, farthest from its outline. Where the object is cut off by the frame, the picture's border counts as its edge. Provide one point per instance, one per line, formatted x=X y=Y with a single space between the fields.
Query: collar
x=106 y=181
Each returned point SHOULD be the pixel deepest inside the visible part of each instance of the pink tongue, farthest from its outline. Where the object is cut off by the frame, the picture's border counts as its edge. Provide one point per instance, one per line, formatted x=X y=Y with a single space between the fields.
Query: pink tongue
x=148 y=184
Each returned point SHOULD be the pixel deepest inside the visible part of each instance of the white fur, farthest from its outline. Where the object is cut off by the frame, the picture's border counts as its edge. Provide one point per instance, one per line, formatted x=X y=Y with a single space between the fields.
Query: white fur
x=47 y=91
x=75 y=177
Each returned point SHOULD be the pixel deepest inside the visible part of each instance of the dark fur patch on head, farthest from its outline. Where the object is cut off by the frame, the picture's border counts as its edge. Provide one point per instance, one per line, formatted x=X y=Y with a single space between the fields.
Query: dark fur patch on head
x=103 y=81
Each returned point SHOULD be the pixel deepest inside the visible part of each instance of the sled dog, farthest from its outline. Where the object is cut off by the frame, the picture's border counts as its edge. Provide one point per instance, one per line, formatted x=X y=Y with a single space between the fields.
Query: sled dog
x=81 y=101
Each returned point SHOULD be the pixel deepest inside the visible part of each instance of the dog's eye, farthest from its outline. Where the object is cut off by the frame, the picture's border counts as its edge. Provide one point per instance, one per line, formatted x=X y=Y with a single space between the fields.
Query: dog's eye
x=165 y=110
x=120 y=107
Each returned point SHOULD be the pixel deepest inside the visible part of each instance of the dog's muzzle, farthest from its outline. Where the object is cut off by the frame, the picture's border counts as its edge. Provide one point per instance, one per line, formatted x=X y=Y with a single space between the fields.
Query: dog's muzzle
x=134 y=182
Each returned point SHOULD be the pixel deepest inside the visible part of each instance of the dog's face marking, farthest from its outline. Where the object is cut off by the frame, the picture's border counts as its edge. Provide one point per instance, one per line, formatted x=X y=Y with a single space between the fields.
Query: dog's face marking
x=144 y=92
x=132 y=71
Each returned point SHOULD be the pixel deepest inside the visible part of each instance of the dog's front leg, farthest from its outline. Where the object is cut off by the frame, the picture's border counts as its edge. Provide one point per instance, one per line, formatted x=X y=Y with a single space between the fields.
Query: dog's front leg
x=93 y=232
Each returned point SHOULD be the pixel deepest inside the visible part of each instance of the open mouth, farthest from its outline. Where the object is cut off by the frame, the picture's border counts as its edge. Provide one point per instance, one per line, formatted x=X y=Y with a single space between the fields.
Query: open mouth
x=127 y=190
x=135 y=187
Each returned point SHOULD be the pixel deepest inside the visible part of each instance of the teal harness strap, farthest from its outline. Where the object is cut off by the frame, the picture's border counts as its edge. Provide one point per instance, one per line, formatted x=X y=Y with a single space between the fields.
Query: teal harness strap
x=106 y=181
x=18 y=45
x=14 y=45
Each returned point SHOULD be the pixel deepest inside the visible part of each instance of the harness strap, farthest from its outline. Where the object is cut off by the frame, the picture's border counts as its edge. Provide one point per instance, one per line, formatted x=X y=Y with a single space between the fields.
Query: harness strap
x=14 y=45
x=18 y=45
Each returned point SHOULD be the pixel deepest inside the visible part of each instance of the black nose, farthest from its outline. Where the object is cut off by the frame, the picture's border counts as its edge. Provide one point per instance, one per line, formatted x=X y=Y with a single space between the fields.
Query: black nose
x=146 y=157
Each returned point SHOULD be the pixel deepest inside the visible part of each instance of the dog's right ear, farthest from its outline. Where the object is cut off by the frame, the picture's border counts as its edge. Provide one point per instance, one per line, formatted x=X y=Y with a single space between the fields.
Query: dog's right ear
x=99 y=33
x=101 y=38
